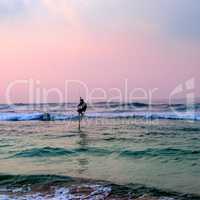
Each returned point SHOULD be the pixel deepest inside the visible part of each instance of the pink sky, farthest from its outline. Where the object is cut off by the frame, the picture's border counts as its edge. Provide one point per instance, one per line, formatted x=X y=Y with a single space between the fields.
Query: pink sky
x=67 y=42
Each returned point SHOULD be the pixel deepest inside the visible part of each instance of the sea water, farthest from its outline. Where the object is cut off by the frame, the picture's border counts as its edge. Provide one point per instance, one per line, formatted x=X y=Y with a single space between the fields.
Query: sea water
x=123 y=151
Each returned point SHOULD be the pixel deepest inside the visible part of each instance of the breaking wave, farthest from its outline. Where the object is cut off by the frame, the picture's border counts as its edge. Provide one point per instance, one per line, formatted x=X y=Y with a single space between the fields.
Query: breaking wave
x=106 y=115
x=52 y=187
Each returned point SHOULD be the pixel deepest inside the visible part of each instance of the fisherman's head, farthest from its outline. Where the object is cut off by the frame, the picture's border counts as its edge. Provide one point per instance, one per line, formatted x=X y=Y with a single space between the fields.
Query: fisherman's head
x=81 y=99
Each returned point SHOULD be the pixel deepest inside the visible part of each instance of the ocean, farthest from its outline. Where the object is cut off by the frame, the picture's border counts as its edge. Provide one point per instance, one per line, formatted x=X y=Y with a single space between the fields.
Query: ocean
x=123 y=151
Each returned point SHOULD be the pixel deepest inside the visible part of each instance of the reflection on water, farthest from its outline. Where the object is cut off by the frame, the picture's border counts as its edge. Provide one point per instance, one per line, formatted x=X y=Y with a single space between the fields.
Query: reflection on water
x=83 y=161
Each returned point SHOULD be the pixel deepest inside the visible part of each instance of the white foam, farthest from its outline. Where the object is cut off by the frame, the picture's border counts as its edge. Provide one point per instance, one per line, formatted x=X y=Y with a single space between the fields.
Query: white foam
x=98 y=193
x=20 y=116
x=106 y=115
x=148 y=115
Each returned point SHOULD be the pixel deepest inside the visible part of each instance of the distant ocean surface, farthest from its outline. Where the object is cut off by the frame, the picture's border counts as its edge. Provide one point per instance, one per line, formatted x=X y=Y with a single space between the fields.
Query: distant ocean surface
x=123 y=151
x=67 y=111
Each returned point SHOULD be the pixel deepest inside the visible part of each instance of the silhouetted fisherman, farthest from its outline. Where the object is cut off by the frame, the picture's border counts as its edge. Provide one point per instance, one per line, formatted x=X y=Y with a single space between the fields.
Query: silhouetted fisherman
x=81 y=109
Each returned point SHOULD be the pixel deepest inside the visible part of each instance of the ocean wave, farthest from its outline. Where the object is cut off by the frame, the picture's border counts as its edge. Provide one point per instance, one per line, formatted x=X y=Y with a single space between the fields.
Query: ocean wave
x=20 y=116
x=52 y=187
x=106 y=105
x=146 y=153
x=148 y=115
x=189 y=129
x=44 y=152
x=19 y=180
x=135 y=105
x=51 y=152
x=4 y=107
x=63 y=193
x=107 y=115
x=170 y=152
x=130 y=105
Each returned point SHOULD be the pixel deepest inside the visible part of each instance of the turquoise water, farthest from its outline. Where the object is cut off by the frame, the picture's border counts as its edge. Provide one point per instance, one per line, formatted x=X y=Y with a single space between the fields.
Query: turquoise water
x=161 y=154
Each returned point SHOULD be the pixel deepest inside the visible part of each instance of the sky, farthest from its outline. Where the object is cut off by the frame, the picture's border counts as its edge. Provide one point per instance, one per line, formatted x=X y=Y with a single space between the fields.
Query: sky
x=98 y=44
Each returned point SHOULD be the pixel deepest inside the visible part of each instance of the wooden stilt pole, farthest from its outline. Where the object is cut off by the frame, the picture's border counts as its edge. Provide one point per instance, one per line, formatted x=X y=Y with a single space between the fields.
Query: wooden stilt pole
x=79 y=122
